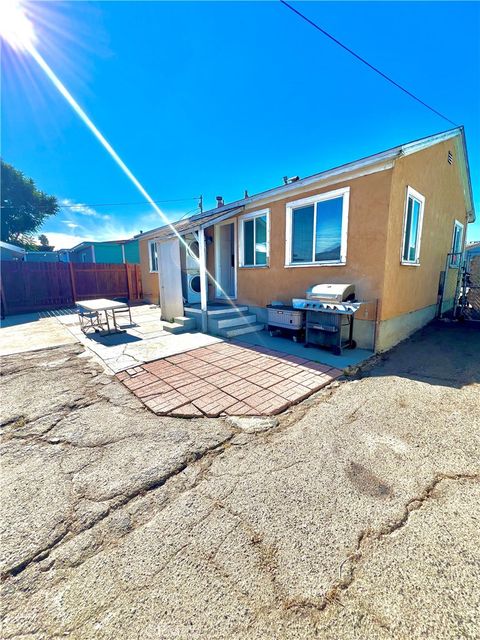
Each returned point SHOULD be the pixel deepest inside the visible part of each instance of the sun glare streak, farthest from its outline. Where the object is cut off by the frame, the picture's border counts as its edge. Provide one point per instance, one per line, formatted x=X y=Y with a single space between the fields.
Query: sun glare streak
x=15 y=25
x=17 y=29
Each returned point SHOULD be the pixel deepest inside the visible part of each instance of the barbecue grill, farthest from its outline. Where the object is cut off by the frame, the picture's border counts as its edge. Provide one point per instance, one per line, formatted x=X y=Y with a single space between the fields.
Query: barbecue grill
x=329 y=308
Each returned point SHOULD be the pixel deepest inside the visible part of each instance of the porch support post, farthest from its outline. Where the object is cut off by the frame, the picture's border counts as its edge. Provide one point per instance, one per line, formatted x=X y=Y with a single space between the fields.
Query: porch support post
x=202 y=254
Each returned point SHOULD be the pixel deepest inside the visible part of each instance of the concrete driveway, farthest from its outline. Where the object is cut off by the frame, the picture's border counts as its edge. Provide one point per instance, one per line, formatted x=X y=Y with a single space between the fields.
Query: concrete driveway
x=355 y=515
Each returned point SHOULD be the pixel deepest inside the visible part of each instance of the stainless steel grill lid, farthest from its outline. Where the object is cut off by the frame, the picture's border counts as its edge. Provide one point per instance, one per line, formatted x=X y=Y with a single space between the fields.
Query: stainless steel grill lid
x=331 y=292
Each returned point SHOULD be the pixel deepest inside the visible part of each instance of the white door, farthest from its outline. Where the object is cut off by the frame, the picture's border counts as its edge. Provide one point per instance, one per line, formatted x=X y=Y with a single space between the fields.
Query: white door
x=225 y=260
x=170 y=279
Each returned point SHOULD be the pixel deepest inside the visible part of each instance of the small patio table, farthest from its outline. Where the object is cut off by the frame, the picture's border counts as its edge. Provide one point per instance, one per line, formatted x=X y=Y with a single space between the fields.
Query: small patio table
x=95 y=307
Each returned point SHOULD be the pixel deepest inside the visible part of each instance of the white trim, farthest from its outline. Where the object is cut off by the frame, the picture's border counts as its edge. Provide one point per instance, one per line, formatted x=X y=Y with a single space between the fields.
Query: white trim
x=321 y=197
x=456 y=225
x=241 y=249
x=123 y=253
x=150 y=265
x=93 y=253
x=218 y=293
x=202 y=255
x=415 y=195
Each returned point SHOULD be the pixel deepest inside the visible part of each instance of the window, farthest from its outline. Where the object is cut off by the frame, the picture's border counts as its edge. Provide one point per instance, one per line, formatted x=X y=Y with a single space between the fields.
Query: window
x=412 y=227
x=152 y=254
x=254 y=229
x=457 y=240
x=316 y=231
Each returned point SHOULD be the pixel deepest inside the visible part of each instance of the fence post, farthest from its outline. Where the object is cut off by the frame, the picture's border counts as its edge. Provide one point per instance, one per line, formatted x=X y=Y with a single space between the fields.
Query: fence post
x=72 y=282
x=129 y=293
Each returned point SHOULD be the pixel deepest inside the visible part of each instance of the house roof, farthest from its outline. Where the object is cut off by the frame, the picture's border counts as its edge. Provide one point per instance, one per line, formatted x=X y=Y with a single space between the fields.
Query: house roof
x=376 y=162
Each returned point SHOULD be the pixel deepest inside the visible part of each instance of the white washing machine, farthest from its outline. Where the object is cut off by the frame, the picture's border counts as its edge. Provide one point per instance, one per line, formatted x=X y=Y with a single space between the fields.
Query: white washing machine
x=193 y=270
x=193 y=287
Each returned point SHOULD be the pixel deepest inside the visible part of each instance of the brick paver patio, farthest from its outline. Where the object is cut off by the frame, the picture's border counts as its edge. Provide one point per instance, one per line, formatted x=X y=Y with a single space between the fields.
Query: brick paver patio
x=226 y=379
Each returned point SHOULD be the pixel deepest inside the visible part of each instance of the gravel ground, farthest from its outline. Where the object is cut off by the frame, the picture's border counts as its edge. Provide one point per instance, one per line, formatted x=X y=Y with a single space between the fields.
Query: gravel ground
x=355 y=515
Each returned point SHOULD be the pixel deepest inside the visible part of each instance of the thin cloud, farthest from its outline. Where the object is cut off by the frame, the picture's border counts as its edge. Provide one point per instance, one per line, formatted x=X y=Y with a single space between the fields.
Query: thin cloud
x=83 y=209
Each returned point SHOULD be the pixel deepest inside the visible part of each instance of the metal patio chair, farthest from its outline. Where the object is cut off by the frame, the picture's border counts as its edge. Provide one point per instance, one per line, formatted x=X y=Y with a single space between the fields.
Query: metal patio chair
x=89 y=320
x=122 y=310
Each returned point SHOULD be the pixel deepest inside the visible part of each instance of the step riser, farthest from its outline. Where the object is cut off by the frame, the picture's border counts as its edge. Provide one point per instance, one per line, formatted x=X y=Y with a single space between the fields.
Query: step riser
x=238 y=321
x=189 y=324
x=194 y=313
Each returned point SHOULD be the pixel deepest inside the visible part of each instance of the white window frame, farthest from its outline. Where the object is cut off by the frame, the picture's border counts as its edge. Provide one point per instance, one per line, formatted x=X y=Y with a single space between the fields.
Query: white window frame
x=241 y=248
x=415 y=195
x=321 y=197
x=456 y=225
x=154 y=242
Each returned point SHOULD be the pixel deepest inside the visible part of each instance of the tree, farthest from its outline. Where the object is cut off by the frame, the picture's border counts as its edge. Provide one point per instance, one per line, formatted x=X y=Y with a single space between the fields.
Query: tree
x=24 y=208
x=44 y=243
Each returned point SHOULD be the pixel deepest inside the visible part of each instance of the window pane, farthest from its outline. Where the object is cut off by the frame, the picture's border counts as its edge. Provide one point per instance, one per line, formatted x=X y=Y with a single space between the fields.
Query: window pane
x=328 y=234
x=153 y=257
x=261 y=240
x=248 y=242
x=414 y=230
x=302 y=234
x=411 y=231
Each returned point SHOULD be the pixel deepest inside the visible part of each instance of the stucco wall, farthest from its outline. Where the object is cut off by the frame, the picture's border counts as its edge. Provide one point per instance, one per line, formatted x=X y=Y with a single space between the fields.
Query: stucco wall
x=367 y=235
x=149 y=280
x=409 y=288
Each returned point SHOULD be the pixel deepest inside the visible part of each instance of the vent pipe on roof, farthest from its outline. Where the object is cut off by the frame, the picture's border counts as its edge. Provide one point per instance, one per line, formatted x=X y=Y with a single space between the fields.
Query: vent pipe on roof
x=287 y=180
x=219 y=200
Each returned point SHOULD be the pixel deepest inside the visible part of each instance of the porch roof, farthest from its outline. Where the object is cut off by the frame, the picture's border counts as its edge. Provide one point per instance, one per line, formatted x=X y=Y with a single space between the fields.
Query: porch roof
x=199 y=221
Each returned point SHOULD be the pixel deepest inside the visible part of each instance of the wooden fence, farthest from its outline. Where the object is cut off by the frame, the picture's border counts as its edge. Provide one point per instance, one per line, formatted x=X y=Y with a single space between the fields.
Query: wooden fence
x=33 y=286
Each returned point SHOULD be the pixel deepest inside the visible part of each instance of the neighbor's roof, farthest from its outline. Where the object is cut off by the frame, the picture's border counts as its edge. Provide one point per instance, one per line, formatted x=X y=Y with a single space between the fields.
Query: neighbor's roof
x=11 y=247
x=385 y=159
x=88 y=243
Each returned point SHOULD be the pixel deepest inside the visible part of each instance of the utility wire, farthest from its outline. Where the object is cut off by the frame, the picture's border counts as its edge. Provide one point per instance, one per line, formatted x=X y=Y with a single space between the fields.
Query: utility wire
x=120 y=204
x=399 y=86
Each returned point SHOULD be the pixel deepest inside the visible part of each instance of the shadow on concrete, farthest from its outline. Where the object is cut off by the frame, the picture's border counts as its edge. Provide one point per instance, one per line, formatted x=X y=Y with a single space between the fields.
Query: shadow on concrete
x=444 y=353
x=113 y=339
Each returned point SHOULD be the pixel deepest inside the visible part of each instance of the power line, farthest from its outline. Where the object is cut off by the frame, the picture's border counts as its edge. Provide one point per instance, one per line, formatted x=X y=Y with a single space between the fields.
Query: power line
x=122 y=204
x=399 y=86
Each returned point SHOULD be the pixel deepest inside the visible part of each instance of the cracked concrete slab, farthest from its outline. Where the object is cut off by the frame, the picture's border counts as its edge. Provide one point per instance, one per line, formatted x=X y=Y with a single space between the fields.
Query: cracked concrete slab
x=356 y=516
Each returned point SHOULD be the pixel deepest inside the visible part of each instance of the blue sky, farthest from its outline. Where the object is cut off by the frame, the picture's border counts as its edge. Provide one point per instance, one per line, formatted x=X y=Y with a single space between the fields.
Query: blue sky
x=215 y=98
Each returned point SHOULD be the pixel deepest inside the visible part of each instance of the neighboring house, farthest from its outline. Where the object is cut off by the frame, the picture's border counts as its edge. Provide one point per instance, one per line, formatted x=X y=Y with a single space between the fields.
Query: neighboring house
x=472 y=252
x=11 y=251
x=42 y=256
x=385 y=223
x=112 y=252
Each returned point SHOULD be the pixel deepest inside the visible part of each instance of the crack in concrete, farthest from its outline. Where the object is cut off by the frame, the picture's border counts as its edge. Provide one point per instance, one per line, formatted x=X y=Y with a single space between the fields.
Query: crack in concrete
x=365 y=538
x=119 y=501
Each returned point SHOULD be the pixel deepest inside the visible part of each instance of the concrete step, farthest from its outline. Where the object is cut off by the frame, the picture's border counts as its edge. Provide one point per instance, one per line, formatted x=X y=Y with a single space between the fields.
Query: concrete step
x=173 y=327
x=232 y=332
x=188 y=323
x=215 y=323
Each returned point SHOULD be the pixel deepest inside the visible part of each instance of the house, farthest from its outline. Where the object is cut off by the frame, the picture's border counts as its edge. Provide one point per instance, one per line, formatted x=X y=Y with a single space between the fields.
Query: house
x=386 y=223
x=111 y=251
x=42 y=256
x=11 y=251
x=472 y=253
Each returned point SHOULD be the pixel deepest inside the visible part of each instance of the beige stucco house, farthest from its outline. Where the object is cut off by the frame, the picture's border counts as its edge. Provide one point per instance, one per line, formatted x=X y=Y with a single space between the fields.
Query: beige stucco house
x=386 y=223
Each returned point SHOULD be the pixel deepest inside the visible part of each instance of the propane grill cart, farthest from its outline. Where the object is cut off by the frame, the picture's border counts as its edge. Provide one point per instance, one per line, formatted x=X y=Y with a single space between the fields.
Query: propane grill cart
x=329 y=308
x=285 y=319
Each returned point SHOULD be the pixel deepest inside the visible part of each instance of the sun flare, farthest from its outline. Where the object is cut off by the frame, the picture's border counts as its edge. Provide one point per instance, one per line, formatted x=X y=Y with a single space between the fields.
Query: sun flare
x=15 y=26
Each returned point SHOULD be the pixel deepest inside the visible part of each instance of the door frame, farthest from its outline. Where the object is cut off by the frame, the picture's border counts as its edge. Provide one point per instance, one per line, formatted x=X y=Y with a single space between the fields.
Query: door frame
x=217 y=247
